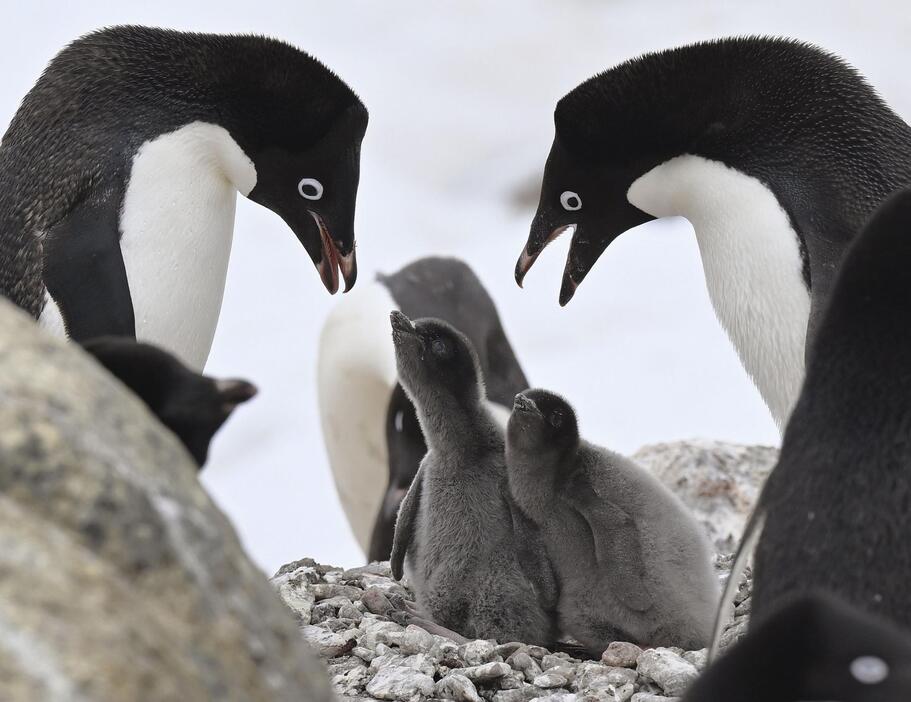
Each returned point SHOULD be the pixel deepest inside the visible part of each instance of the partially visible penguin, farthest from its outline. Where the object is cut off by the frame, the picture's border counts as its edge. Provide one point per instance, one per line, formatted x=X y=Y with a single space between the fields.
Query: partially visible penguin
x=775 y=151
x=192 y=406
x=835 y=513
x=119 y=174
x=812 y=648
x=476 y=566
x=359 y=394
x=632 y=563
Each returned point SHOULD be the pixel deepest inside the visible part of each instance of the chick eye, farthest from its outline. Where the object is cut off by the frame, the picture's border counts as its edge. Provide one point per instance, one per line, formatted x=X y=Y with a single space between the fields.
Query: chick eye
x=440 y=348
x=869 y=670
x=310 y=188
x=556 y=419
x=570 y=201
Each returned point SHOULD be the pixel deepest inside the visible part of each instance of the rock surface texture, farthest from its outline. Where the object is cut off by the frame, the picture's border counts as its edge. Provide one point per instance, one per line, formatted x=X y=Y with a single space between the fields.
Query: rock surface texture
x=119 y=578
x=353 y=619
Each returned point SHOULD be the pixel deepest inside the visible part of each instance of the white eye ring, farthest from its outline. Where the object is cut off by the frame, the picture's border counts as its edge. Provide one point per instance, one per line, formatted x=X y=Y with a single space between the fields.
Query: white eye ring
x=570 y=201
x=869 y=670
x=310 y=183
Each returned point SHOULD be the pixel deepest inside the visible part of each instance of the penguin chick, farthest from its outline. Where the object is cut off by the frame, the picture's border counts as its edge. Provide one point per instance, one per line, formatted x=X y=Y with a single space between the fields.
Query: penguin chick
x=814 y=648
x=191 y=405
x=632 y=563
x=476 y=565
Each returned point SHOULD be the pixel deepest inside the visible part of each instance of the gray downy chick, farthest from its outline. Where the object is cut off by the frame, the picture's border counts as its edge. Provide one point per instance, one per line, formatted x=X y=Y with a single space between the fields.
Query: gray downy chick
x=476 y=564
x=632 y=564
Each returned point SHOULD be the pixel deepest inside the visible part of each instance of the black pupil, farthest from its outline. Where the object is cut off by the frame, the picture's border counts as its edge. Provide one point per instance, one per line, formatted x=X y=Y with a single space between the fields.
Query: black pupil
x=310 y=189
x=573 y=201
x=439 y=347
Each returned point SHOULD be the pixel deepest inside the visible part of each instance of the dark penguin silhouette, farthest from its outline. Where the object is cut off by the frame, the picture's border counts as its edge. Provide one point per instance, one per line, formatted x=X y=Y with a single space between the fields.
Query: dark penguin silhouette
x=119 y=173
x=775 y=151
x=192 y=406
x=476 y=565
x=813 y=648
x=835 y=513
x=359 y=391
x=632 y=562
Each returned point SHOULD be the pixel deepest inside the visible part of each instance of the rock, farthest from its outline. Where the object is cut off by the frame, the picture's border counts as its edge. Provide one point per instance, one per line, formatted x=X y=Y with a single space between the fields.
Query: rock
x=719 y=481
x=699 y=659
x=416 y=640
x=648 y=697
x=506 y=650
x=327 y=644
x=104 y=523
x=485 y=672
x=477 y=652
x=525 y=664
x=523 y=694
x=549 y=680
x=376 y=601
x=621 y=654
x=422 y=662
x=511 y=681
x=457 y=687
x=350 y=682
x=398 y=683
x=325 y=591
x=671 y=672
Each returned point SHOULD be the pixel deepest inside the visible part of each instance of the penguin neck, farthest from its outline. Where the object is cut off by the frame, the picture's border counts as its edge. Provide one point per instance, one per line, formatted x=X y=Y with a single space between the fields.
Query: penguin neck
x=447 y=421
x=752 y=262
x=533 y=480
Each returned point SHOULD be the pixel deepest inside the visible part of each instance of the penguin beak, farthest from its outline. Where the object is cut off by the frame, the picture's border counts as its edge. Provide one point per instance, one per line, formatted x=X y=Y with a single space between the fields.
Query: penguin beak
x=522 y=403
x=401 y=324
x=332 y=260
x=540 y=237
x=234 y=392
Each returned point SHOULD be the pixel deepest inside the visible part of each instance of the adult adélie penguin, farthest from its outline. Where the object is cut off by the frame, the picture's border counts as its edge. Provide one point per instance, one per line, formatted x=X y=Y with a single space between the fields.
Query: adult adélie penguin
x=119 y=174
x=776 y=152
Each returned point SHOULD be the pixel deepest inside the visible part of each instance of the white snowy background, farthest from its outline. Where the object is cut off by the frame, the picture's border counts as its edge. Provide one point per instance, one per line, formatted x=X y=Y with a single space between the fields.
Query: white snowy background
x=461 y=98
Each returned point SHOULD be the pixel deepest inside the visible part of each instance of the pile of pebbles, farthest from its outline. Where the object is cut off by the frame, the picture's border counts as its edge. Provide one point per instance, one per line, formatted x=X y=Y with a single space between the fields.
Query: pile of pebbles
x=353 y=619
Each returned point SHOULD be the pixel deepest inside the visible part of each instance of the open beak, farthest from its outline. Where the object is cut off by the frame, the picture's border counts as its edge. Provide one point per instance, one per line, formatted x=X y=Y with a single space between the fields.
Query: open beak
x=234 y=392
x=531 y=252
x=332 y=261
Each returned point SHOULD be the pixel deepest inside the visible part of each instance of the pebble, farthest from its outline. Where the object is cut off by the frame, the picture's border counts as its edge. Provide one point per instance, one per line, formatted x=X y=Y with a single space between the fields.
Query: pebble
x=327 y=643
x=549 y=680
x=621 y=654
x=415 y=640
x=525 y=664
x=403 y=684
x=523 y=694
x=457 y=687
x=485 y=672
x=478 y=652
x=671 y=672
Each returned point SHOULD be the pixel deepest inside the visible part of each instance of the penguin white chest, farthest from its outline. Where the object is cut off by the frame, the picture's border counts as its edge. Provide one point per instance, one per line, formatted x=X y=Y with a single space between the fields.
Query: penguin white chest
x=752 y=263
x=176 y=228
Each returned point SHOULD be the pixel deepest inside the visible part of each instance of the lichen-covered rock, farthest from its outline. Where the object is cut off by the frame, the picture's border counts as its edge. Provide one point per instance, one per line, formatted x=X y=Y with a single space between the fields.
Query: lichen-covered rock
x=399 y=683
x=119 y=578
x=719 y=481
x=457 y=687
x=668 y=669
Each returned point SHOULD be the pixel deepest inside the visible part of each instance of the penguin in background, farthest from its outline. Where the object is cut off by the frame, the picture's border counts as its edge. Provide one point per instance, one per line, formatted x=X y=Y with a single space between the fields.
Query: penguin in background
x=813 y=648
x=360 y=396
x=119 y=174
x=775 y=151
x=834 y=514
x=193 y=406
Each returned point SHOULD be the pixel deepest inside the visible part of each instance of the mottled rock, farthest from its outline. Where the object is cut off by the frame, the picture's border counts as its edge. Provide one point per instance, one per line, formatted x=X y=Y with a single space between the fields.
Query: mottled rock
x=327 y=643
x=648 y=697
x=421 y=662
x=671 y=672
x=351 y=682
x=376 y=601
x=398 y=683
x=549 y=680
x=699 y=659
x=478 y=651
x=485 y=672
x=719 y=481
x=621 y=654
x=525 y=664
x=416 y=640
x=118 y=569
x=457 y=687
x=523 y=694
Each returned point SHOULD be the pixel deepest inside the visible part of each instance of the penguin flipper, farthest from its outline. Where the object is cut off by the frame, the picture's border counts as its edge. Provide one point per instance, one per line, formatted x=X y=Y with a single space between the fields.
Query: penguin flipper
x=84 y=270
x=405 y=525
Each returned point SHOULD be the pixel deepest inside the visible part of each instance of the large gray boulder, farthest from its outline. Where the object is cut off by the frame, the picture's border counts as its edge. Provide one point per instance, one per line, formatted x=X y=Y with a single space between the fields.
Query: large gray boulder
x=119 y=578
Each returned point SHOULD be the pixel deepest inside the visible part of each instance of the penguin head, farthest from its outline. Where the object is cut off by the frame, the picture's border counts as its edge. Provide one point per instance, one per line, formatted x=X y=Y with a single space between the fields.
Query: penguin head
x=746 y=102
x=814 y=647
x=191 y=405
x=541 y=423
x=302 y=127
x=435 y=360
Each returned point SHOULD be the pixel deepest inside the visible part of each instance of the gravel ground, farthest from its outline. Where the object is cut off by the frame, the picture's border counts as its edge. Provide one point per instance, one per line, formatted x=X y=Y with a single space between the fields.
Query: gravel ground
x=351 y=619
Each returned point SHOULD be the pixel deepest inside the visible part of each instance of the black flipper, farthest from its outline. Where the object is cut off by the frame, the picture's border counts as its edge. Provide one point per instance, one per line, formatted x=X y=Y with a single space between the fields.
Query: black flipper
x=84 y=270
x=405 y=524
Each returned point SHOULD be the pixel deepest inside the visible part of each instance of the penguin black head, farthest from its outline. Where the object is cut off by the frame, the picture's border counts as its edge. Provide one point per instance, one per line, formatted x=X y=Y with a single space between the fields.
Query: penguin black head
x=433 y=356
x=298 y=123
x=192 y=406
x=542 y=423
x=813 y=648
x=745 y=102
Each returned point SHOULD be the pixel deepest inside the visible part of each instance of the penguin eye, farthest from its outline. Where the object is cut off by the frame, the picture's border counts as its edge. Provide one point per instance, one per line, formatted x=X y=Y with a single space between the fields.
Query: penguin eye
x=440 y=348
x=570 y=201
x=869 y=670
x=556 y=419
x=310 y=188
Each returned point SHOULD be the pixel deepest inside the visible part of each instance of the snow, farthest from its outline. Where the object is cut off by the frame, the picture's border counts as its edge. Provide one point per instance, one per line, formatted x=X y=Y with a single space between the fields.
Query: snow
x=461 y=98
